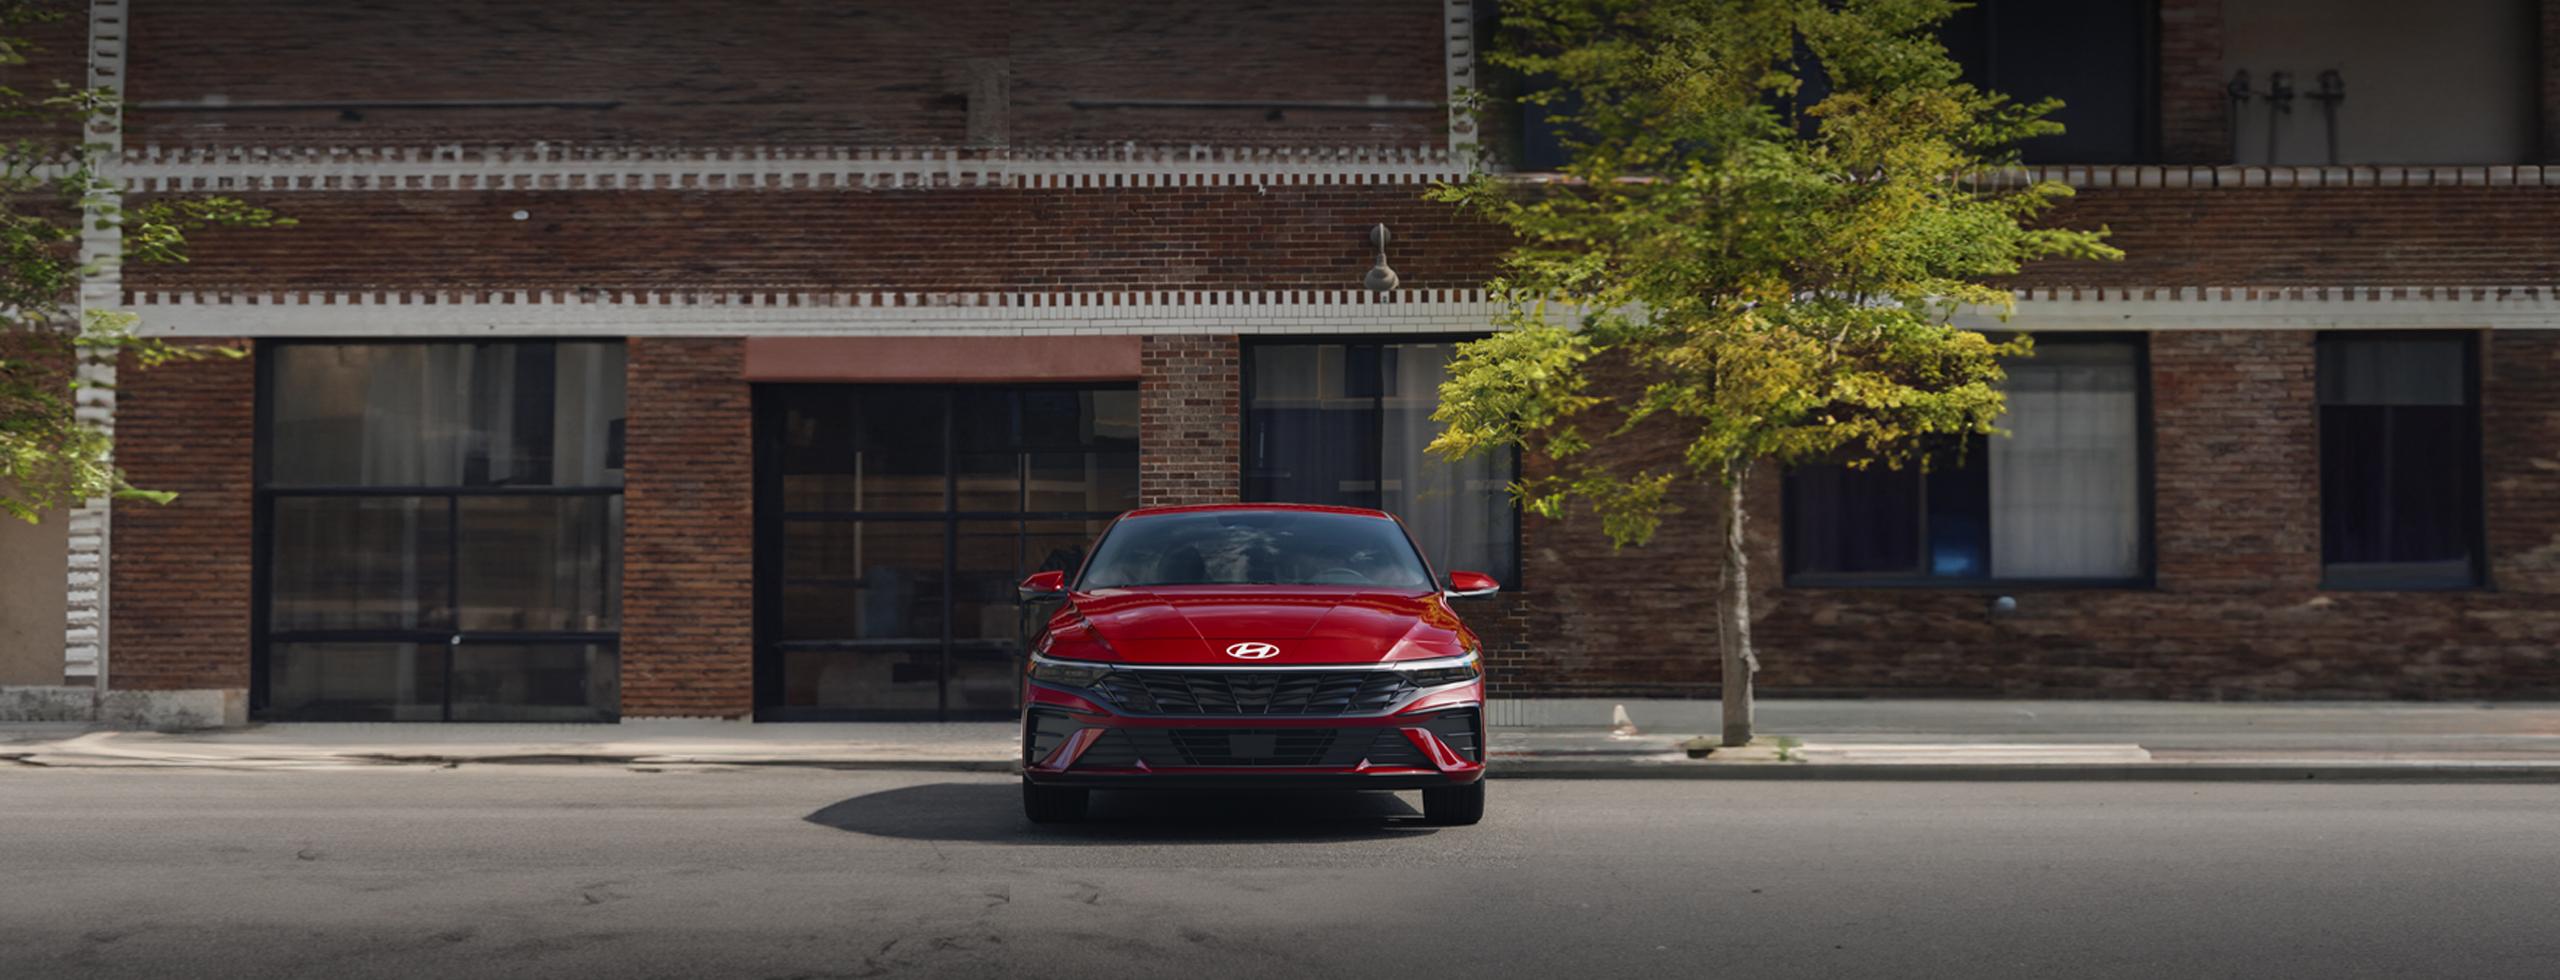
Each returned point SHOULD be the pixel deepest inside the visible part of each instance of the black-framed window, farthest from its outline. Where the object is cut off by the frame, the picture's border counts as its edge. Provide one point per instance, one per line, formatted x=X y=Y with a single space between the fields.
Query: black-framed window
x=1345 y=423
x=2064 y=497
x=439 y=531
x=893 y=523
x=2399 y=461
x=2100 y=57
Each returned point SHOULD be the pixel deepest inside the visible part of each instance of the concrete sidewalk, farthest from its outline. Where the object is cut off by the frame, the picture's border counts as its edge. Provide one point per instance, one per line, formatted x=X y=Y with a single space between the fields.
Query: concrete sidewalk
x=1558 y=739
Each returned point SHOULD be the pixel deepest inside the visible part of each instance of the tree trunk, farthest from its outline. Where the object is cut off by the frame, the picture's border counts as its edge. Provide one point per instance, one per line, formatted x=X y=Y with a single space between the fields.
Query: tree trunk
x=1733 y=614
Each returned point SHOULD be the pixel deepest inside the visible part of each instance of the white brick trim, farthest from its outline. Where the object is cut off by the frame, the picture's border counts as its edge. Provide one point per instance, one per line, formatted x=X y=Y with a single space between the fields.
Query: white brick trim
x=85 y=627
x=766 y=312
x=2228 y=178
x=1458 y=27
x=544 y=166
x=451 y=313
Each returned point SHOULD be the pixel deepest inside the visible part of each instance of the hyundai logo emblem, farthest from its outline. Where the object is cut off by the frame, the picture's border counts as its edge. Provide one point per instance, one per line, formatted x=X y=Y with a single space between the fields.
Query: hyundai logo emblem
x=1253 y=651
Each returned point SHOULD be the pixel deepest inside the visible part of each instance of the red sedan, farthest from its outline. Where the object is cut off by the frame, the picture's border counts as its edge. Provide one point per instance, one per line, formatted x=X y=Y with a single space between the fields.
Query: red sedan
x=1254 y=646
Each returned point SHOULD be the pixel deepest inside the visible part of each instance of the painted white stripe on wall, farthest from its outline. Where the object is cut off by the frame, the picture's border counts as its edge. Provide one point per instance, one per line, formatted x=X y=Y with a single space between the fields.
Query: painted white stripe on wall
x=751 y=312
x=85 y=579
x=660 y=313
x=556 y=167
x=2238 y=177
x=1458 y=24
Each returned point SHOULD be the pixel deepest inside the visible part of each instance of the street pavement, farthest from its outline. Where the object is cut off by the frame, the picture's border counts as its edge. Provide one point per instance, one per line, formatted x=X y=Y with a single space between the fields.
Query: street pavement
x=1541 y=737
x=652 y=871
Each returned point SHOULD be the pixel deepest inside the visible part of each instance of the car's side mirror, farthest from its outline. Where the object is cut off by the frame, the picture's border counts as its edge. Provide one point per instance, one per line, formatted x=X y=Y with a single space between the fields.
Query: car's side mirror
x=1042 y=585
x=1469 y=585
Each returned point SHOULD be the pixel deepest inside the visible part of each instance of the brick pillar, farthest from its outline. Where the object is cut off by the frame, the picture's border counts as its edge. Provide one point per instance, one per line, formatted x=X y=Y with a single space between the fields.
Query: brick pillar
x=2194 y=123
x=1189 y=419
x=179 y=594
x=2236 y=471
x=2520 y=426
x=688 y=533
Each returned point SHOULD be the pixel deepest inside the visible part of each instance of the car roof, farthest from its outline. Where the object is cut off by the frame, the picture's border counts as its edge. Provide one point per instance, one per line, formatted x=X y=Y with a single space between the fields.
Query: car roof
x=1251 y=508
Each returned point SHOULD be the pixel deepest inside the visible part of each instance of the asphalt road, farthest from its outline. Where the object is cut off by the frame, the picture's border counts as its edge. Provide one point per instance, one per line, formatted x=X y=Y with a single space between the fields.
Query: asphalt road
x=570 y=871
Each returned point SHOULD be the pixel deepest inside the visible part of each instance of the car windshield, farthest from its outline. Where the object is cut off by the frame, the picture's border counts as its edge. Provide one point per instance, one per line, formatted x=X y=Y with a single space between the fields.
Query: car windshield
x=1267 y=547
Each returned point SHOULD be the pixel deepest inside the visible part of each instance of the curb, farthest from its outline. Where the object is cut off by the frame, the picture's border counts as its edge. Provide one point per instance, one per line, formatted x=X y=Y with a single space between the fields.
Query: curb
x=1522 y=769
x=2427 y=772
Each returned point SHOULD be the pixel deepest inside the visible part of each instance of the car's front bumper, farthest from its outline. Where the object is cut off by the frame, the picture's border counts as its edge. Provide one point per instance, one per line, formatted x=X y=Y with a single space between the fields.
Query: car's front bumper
x=1071 y=739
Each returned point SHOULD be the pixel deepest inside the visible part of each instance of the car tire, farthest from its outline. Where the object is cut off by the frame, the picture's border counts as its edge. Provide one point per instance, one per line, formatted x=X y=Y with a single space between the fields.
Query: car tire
x=1053 y=804
x=1453 y=806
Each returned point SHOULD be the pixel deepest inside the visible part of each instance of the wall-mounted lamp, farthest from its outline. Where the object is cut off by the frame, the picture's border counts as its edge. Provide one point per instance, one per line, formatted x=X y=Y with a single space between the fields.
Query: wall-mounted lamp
x=1380 y=278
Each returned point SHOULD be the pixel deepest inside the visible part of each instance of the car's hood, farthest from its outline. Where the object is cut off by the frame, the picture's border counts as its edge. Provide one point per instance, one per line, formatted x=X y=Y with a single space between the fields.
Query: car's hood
x=1308 y=625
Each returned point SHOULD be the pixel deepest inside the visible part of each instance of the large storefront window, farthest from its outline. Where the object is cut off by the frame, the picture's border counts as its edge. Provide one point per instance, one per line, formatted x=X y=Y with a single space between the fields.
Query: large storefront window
x=2399 y=462
x=440 y=531
x=2060 y=498
x=893 y=523
x=1346 y=423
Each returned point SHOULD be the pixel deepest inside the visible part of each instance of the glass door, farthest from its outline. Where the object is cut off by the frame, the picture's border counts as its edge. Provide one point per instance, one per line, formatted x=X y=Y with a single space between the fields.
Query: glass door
x=439 y=531
x=892 y=523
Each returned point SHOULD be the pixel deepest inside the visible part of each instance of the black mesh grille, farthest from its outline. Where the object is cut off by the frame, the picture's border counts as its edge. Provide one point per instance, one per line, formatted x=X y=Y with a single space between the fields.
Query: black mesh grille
x=1340 y=748
x=1046 y=728
x=1246 y=692
x=1459 y=730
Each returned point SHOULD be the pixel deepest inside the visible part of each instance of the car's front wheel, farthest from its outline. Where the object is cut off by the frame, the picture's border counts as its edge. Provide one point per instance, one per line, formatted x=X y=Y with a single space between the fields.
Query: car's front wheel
x=1453 y=806
x=1053 y=804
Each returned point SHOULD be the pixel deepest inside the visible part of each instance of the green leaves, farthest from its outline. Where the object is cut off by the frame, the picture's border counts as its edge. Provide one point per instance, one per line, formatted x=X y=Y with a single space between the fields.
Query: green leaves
x=49 y=457
x=1766 y=276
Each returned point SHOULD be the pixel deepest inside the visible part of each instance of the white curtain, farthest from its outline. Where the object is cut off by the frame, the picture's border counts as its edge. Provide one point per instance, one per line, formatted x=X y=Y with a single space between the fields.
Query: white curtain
x=2066 y=482
x=1459 y=510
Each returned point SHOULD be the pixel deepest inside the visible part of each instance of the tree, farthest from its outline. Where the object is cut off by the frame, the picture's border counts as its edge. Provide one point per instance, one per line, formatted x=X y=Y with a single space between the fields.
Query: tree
x=52 y=187
x=1772 y=212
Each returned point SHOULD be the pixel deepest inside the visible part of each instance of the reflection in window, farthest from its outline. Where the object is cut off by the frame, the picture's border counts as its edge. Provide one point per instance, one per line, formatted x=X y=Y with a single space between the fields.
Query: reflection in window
x=444 y=530
x=1346 y=424
x=445 y=415
x=904 y=516
x=2059 y=497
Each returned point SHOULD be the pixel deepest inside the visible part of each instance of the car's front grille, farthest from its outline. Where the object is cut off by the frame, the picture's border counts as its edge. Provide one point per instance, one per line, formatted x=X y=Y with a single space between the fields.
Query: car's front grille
x=1332 y=748
x=1254 y=692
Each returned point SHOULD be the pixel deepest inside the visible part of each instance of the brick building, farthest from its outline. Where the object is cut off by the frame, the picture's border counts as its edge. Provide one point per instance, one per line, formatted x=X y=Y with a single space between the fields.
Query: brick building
x=630 y=364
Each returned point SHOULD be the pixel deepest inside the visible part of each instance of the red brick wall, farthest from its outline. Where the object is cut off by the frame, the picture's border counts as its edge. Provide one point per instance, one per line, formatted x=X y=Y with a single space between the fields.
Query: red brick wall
x=688 y=538
x=2288 y=236
x=179 y=591
x=2195 y=125
x=1595 y=619
x=2237 y=612
x=56 y=53
x=2520 y=408
x=1188 y=419
x=1224 y=237
x=783 y=72
x=2236 y=459
x=1277 y=238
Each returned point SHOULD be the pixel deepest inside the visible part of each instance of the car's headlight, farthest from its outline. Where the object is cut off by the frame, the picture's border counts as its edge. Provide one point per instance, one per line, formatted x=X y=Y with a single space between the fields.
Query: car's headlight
x=1470 y=670
x=1068 y=673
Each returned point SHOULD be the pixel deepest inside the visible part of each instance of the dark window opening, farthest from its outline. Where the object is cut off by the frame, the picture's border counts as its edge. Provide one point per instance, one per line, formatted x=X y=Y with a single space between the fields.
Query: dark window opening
x=2099 y=57
x=1346 y=424
x=439 y=531
x=893 y=523
x=2063 y=497
x=2399 y=462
